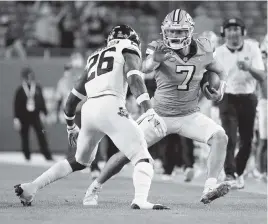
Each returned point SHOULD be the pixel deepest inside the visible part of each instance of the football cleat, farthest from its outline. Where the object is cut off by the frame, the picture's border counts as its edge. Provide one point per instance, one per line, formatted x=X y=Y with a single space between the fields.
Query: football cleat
x=210 y=194
x=148 y=206
x=91 y=196
x=25 y=197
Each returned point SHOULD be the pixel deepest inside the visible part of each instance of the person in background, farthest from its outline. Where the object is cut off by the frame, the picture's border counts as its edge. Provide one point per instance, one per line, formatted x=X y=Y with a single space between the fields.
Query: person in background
x=29 y=106
x=13 y=40
x=202 y=21
x=243 y=63
x=262 y=106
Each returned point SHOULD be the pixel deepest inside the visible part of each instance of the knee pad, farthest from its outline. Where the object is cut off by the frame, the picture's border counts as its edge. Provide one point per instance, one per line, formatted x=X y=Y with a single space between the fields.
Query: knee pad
x=75 y=165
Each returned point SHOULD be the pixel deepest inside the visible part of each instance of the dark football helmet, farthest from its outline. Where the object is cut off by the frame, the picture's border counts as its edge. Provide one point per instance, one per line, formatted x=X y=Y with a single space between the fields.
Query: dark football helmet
x=124 y=32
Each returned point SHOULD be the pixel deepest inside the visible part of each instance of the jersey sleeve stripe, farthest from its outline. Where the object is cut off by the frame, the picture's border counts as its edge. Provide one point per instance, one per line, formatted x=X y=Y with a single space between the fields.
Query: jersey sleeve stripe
x=126 y=50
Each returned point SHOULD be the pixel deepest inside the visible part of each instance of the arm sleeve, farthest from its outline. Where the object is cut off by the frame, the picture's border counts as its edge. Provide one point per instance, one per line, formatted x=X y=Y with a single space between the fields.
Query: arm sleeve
x=130 y=47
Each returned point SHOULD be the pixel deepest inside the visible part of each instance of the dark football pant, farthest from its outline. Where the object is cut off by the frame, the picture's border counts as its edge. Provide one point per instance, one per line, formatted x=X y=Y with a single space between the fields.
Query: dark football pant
x=178 y=151
x=238 y=112
x=34 y=121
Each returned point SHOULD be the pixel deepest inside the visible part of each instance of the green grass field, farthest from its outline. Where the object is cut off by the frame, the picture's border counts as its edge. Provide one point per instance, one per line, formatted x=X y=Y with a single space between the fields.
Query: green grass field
x=61 y=202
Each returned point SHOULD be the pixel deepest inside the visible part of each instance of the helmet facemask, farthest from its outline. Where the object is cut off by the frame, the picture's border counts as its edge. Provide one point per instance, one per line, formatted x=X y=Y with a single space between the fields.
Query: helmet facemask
x=176 y=36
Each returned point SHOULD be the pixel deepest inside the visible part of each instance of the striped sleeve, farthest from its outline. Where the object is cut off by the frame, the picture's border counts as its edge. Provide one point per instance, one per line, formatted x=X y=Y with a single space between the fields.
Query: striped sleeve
x=130 y=47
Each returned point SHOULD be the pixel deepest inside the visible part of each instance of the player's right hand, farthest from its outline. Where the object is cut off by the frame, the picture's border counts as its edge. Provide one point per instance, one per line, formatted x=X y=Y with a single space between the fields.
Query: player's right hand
x=162 y=53
x=17 y=124
x=157 y=123
x=73 y=132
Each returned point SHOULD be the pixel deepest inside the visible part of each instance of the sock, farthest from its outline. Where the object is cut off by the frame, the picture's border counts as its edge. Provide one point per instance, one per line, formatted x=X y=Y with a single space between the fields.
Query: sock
x=57 y=171
x=211 y=182
x=96 y=184
x=142 y=178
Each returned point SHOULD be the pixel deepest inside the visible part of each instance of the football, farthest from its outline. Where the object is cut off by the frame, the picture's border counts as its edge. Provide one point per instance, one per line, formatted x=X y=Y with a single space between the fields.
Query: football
x=212 y=78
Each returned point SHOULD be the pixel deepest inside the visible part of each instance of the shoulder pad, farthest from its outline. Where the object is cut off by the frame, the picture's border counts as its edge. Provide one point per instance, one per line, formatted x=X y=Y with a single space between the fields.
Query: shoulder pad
x=126 y=44
x=205 y=44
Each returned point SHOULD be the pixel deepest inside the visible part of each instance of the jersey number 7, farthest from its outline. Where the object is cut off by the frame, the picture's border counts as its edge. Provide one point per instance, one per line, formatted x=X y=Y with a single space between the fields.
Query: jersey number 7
x=105 y=64
x=188 y=71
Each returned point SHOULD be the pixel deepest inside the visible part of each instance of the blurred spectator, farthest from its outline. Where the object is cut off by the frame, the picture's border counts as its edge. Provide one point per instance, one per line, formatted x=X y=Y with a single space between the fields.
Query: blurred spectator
x=202 y=21
x=178 y=151
x=95 y=26
x=13 y=40
x=262 y=109
x=243 y=63
x=64 y=86
x=29 y=109
x=67 y=26
x=47 y=24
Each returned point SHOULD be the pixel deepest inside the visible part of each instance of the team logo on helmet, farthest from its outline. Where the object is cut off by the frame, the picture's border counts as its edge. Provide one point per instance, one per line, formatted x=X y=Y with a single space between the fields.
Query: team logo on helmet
x=124 y=32
x=189 y=19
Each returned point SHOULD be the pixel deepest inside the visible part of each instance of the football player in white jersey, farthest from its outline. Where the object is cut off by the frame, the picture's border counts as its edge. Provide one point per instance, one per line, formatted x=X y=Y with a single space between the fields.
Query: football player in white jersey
x=178 y=62
x=107 y=75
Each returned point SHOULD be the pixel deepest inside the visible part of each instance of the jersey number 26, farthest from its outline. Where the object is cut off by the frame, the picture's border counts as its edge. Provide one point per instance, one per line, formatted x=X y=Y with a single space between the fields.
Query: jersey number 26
x=105 y=64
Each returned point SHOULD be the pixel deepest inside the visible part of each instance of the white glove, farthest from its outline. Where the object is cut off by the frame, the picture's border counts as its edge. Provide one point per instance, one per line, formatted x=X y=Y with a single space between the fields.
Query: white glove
x=155 y=121
x=17 y=124
x=73 y=132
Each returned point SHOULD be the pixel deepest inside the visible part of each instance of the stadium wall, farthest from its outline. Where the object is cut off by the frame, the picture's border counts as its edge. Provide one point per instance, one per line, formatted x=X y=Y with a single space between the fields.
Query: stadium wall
x=48 y=72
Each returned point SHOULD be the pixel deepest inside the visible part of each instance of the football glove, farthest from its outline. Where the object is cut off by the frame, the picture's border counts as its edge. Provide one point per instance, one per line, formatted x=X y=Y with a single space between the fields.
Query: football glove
x=73 y=132
x=155 y=121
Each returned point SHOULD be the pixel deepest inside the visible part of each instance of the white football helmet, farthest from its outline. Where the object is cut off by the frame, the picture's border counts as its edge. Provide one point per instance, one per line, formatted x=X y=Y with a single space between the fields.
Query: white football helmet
x=177 y=29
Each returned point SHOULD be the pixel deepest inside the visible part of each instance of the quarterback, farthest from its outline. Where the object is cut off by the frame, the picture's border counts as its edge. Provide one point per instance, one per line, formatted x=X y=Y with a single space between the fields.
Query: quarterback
x=107 y=75
x=178 y=62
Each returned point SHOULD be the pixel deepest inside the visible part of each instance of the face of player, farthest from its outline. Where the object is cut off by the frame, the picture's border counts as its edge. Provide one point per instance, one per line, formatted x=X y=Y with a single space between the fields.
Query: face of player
x=177 y=34
x=234 y=35
x=177 y=38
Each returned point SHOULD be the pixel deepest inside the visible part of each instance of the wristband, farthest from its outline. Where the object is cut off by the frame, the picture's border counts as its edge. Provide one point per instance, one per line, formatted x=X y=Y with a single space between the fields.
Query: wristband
x=134 y=72
x=69 y=118
x=142 y=97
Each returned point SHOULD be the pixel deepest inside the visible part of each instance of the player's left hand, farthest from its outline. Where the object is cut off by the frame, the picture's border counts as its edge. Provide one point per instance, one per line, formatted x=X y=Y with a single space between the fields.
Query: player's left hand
x=73 y=132
x=243 y=65
x=157 y=123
